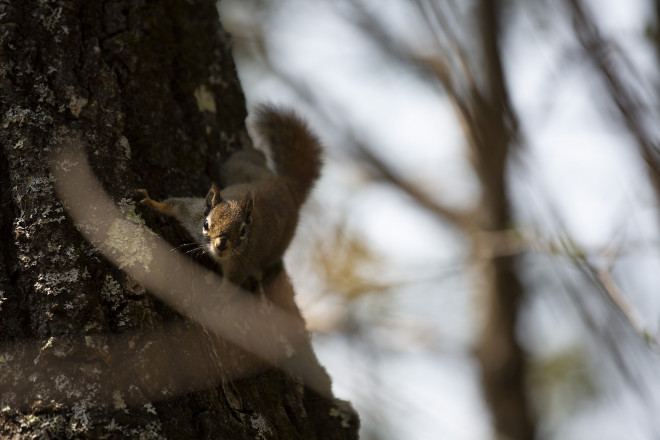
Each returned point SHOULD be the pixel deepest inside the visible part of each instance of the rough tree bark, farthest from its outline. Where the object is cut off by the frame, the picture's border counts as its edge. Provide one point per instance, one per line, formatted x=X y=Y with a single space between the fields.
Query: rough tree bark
x=150 y=88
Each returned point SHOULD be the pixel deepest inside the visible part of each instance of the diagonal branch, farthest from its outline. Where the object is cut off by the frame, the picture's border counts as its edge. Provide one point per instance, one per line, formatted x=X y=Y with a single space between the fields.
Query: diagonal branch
x=631 y=108
x=449 y=66
x=611 y=288
x=463 y=220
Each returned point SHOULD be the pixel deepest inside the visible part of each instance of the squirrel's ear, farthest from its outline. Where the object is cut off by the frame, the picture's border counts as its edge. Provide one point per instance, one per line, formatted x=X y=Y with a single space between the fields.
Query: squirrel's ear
x=247 y=204
x=213 y=197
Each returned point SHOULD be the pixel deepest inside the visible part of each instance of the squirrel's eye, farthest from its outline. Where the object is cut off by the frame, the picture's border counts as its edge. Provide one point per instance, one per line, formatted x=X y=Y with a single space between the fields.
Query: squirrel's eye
x=243 y=232
x=205 y=226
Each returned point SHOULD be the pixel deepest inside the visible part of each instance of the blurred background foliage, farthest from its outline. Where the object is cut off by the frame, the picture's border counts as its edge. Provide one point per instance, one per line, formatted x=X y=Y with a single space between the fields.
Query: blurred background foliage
x=481 y=257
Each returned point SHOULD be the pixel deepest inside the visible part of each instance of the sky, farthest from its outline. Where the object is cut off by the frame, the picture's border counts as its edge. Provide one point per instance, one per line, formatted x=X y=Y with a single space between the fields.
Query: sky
x=577 y=169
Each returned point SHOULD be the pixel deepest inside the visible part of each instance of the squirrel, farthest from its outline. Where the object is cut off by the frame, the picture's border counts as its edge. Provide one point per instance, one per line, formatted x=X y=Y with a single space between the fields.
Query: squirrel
x=248 y=225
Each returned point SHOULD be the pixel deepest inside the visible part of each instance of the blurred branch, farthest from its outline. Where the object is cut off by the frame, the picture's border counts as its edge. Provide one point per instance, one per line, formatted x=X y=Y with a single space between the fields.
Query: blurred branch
x=511 y=242
x=477 y=87
x=604 y=282
x=463 y=220
x=604 y=57
x=445 y=36
x=460 y=219
x=453 y=73
x=606 y=60
x=195 y=292
x=611 y=287
x=490 y=128
x=602 y=279
x=603 y=334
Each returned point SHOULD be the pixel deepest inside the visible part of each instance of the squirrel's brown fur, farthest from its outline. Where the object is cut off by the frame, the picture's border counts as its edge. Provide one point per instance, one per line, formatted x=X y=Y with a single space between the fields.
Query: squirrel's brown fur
x=249 y=224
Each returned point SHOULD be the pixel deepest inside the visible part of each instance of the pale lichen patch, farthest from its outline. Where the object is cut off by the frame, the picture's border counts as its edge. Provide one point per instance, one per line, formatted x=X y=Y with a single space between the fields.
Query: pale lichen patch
x=118 y=401
x=66 y=165
x=28 y=421
x=44 y=92
x=150 y=431
x=51 y=19
x=62 y=382
x=289 y=351
x=343 y=414
x=205 y=99
x=149 y=407
x=112 y=292
x=21 y=116
x=40 y=185
x=80 y=421
x=127 y=242
x=54 y=283
x=76 y=104
x=128 y=208
x=52 y=214
x=126 y=146
x=16 y=116
x=60 y=347
x=259 y=422
x=98 y=343
x=70 y=253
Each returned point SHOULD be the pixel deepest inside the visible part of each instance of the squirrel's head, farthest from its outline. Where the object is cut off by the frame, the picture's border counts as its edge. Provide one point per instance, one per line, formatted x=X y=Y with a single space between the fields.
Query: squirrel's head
x=227 y=224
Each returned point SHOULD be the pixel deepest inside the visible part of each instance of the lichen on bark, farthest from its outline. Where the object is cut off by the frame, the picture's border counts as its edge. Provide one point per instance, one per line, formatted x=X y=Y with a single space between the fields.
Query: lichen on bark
x=85 y=350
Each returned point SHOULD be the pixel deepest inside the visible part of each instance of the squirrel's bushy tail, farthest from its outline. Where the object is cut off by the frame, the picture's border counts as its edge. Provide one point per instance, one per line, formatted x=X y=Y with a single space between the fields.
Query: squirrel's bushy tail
x=294 y=149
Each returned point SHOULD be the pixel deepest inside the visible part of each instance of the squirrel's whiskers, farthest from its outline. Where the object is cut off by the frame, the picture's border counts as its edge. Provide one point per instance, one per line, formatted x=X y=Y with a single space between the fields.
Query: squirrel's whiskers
x=248 y=225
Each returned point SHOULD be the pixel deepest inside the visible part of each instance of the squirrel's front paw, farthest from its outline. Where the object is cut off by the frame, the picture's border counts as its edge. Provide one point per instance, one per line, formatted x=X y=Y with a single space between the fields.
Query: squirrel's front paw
x=141 y=195
x=161 y=207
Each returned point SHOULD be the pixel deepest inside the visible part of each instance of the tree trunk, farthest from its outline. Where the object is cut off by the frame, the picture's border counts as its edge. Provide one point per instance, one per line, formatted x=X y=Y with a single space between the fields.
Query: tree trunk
x=150 y=88
x=503 y=366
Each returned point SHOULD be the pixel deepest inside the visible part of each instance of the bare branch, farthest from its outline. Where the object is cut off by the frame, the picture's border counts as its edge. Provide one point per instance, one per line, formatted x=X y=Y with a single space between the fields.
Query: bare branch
x=202 y=295
x=604 y=57
x=633 y=317
x=463 y=220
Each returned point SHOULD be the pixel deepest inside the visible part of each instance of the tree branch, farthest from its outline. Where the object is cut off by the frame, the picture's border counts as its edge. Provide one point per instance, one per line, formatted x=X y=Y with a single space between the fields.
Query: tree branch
x=463 y=220
x=602 y=55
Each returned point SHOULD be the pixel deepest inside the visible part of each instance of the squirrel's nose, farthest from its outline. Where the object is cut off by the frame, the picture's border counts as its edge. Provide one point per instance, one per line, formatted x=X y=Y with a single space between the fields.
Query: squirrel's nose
x=221 y=243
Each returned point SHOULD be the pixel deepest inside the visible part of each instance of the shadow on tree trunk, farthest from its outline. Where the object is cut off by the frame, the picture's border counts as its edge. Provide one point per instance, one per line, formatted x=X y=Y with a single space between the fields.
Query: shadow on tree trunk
x=150 y=90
